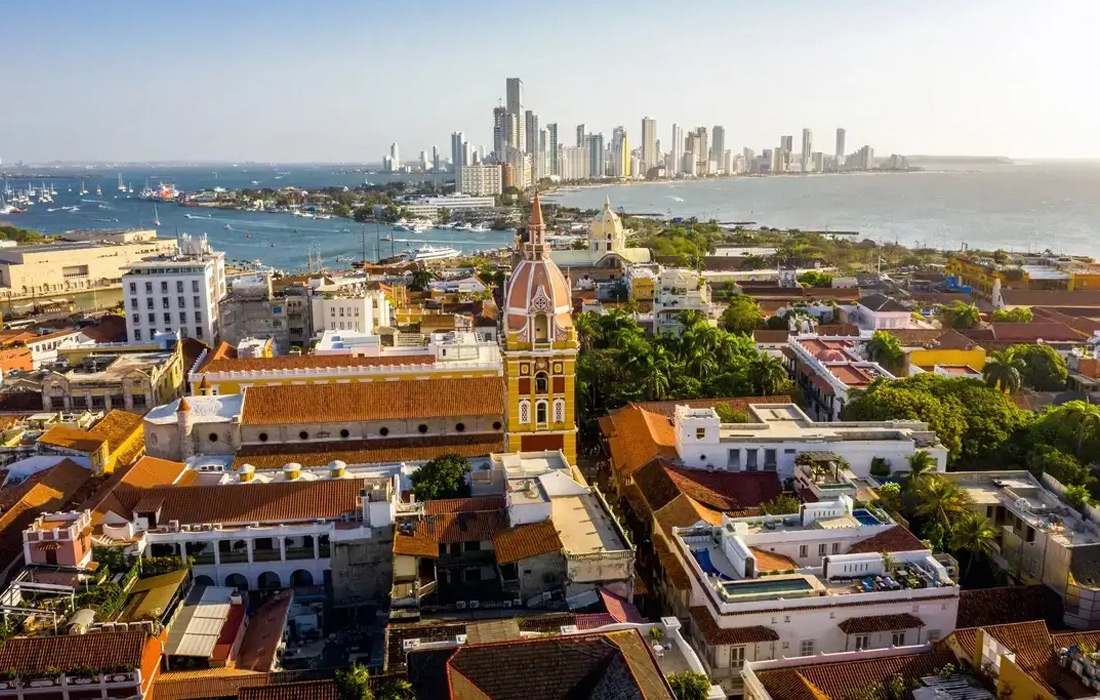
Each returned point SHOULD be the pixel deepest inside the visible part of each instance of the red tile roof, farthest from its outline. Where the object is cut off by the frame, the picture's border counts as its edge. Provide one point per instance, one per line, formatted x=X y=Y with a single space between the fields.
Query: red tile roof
x=714 y=634
x=463 y=505
x=835 y=681
x=304 y=690
x=526 y=541
x=370 y=401
x=264 y=634
x=410 y=449
x=1005 y=604
x=68 y=652
x=896 y=539
x=289 y=363
x=880 y=623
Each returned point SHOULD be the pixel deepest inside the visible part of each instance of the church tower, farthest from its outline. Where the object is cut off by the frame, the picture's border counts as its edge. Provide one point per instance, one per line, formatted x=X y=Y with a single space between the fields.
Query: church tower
x=540 y=350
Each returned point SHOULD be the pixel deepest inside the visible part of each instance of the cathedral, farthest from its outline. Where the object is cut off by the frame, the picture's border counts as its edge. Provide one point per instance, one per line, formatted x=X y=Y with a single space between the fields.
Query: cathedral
x=540 y=350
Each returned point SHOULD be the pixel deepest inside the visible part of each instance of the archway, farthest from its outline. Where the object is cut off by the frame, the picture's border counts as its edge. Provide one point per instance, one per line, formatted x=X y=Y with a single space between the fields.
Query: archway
x=204 y=581
x=237 y=581
x=268 y=580
x=301 y=577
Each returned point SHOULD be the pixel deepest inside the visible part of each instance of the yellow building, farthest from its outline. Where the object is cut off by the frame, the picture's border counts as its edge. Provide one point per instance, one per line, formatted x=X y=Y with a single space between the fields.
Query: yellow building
x=131 y=376
x=115 y=441
x=1033 y=274
x=540 y=350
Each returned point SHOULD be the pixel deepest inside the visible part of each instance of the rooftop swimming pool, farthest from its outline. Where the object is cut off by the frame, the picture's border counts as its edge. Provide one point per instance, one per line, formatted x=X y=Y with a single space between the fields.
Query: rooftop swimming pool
x=865 y=517
x=767 y=588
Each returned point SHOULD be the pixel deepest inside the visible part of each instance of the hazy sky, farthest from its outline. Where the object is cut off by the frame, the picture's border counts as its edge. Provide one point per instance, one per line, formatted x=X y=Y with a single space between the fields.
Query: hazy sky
x=327 y=80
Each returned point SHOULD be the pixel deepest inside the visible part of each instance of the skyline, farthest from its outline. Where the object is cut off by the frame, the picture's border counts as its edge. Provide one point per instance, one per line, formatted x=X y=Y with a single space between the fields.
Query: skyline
x=253 y=82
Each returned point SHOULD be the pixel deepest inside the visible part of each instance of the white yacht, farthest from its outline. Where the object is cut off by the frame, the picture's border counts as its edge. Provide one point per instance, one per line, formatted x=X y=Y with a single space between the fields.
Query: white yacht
x=429 y=253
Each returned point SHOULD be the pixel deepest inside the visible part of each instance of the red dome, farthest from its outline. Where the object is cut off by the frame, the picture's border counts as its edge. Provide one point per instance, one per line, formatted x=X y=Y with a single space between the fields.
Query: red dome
x=831 y=355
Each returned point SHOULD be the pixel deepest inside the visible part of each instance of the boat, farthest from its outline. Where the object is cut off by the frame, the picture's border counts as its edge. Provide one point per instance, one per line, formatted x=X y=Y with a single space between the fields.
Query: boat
x=429 y=253
x=480 y=228
x=83 y=189
x=228 y=227
x=387 y=237
x=464 y=227
x=121 y=184
x=156 y=216
x=99 y=192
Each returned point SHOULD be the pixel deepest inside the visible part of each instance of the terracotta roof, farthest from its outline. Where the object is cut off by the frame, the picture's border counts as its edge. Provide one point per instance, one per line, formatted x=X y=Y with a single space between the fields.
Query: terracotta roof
x=408 y=449
x=673 y=569
x=685 y=511
x=726 y=491
x=369 y=401
x=772 y=561
x=1033 y=646
x=71 y=439
x=880 y=623
x=148 y=472
x=714 y=634
x=415 y=544
x=464 y=505
x=770 y=336
x=264 y=634
x=286 y=363
x=525 y=541
x=110 y=329
x=49 y=490
x=1006 y=604
x=67 y=652
x=454 y=520
x=896 y=539
x=1023 y=297
x=304 y=690
x=637 y=437
x=1048 y=331
x=619 y=608
x=272 y=502
x=204 y=684
x=116 y=427
x=835 y=681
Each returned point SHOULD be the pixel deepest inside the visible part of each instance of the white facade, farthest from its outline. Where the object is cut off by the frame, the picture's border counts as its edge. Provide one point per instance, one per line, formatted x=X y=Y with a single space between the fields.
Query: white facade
x=679 y=289
x=177 y=293
x=573 y=162
x=363 y=313
x=480 y=180
x=430 y=206
x=777 y=433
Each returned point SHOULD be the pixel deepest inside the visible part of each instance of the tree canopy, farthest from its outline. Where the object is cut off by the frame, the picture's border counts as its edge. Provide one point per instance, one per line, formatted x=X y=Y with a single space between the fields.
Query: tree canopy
x=688 y=685
x=442 y=477
x=742 y=315
x=960 y=315
x=1021 y=314
x=1044 y=368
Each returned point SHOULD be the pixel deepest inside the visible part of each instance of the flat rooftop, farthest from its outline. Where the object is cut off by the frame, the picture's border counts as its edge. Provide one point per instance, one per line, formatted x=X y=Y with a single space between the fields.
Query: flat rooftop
x=114 y=367
x=786 y=421
x=584 y=526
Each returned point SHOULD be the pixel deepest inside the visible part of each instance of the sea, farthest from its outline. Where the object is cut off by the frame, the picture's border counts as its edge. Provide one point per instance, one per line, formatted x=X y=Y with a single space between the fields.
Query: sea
x=1022 y=206
x=281 y=241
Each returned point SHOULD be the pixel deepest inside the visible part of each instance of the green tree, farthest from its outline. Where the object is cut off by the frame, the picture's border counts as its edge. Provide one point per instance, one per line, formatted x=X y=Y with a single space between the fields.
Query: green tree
x=960 y=315
x=922 y=467
x=889 y=497
x=354 y=683
x=1073 y=427
x=688 y=685
x=768 y=374
x=443 y=215
x=783 y=504
x=1062 y=466
x=420 y=278
x=813 y=278
x=742 y=315
x=885 y=349
x=1020 y=314
x=1077 y=496
x=729 y=415
x=397 y=689
x=442 y=477
x=579 y=244
x=972 y=533
x=1044 y=368
x=942 y=500
x=1003 y=371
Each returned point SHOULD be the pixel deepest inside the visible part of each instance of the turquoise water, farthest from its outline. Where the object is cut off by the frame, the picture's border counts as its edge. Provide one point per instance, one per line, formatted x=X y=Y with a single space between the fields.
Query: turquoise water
x=1052 y=205
x=280 y=240
x=865 y=517
x=783 y=585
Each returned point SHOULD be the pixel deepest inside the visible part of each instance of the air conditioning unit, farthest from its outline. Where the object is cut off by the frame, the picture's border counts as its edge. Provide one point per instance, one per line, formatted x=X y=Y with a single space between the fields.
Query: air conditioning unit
x=174 y=525
x=163 y=528
x=218 y=526
x=410 y=644
x=507 y=604
x=475 y=604
x=570 y=629
x=207 y=527
x=186 y=528
x=460 y=639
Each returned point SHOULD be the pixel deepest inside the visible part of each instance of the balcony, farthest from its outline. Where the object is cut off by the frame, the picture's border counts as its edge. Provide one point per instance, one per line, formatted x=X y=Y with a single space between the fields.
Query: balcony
x=266 y=555
x=299 y=552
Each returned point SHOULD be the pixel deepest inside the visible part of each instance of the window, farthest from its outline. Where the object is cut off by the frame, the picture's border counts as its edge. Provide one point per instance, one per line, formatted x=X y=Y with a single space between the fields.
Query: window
x=137 y=334
x=167 y=319
x=559 y=410
x=344 y=432
x=181 y=302
x=149 y=303
x=803 y=551
x=524 y=412
x=700 y=433
x=332 y=312
x=303 y=435
x=750 y=460
x=540 y=412
x=198 y=317
x=152 y=319
x=164 y=287
x=898 y=639
x=383 y=431
x=460 y=427
x=822 y=549
x=861 y=642
x=473 y=546
x=263 y=437
x=183 y=317
x=148 y=287
x=737 y=657
x=164 y=303
x=497 y=425
x=198 y=332
x=769 y=460
x=195 y=302
x=734 y=460
x=179 y=286
x=213 y=437
x=133 y=287
x=836 y=548
x=194 y=285
x=806 y=647
x=542 y=383
x=422 y=428
x=509 y=572
x=133 y=303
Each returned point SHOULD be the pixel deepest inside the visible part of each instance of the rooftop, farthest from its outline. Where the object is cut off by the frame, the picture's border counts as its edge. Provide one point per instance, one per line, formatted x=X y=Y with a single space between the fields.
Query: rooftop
x=373 y=451
x=204 y=409
x=786 y=421
x=115 y=366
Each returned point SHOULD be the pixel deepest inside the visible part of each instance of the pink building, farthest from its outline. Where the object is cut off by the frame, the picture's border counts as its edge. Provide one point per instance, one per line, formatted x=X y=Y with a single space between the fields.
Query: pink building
x=59 y=539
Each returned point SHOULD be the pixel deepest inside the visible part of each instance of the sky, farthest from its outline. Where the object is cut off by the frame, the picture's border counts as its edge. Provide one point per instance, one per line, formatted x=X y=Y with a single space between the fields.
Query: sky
x=338 y=81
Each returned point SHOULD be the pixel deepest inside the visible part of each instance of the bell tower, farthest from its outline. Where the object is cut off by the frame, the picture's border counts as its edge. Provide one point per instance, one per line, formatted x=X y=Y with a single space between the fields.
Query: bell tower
x=540 y=350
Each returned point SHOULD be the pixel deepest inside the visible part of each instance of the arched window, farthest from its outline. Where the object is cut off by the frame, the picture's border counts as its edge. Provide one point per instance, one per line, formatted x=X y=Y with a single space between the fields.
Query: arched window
x=542 y=327
x=542 y=383
x=524 y=412
x=542 y=410
x=559 y=410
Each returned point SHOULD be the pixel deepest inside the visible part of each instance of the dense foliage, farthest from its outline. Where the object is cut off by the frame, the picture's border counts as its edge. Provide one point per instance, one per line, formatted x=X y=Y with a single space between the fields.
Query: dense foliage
x=1017 y=315
x=1044 y=368
x=783 y=504
x=960 y=315
x=689 y=242
x=19 y=235
x=688 y=685
x=813 y=278
x=742 y=315
x=620 y=363
x=442 y=477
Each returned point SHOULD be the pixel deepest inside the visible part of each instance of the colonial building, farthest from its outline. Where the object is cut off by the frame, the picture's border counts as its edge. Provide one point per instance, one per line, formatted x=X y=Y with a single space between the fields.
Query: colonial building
x=540 y=350
x=607 y=255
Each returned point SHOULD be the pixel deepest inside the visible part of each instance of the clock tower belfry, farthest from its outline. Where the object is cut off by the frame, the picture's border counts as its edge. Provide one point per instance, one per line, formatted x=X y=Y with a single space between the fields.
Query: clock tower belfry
x=540 y=350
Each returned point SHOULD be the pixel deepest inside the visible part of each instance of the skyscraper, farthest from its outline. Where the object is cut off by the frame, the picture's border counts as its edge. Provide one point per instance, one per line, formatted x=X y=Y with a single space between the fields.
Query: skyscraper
x=677 y=149
x=786 y=147
x=649 y=143
x=513 y=130
x=514 y=103
x=595 y=156
x=435 y=158
x=718 y=148
x=395 y=156
x=423 y=161
x=552 y=134
x=582 y=141
x=807 y=150
x=500 y=132
x=620 y=153
x=701 y=149
x=840 y=134
x=457 y=139
x=531 y=131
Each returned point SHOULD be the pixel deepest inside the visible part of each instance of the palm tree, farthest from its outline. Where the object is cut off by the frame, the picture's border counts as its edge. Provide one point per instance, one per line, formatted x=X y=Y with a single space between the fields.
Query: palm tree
x=960 y=315
x=420 y=278
x=922 y=465
x=885 y=349
x=972 y=533
x=588 y=329
x=1003 y=370
x=1085 y=419
x=942 y=500
x=768 y=374
x=690 y=318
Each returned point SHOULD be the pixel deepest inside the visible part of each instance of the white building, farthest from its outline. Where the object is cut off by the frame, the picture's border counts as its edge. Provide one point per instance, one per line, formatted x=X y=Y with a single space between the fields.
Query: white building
x=878 y=312
x=679 y=289
x=175 y=293
x=573 y=162
x=430 y=206
x=777 y=434
x=348 y=304
x=480 y=180
x=827 y=370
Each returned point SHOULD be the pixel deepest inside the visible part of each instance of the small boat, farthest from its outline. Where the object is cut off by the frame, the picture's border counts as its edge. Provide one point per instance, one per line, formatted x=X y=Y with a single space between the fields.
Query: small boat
x=121 y=185
x=387 y=237
x=228 y=227
x=480 y=228
x=464 y=227
x=156 y=216
x=83 y=189
x=99 y=191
